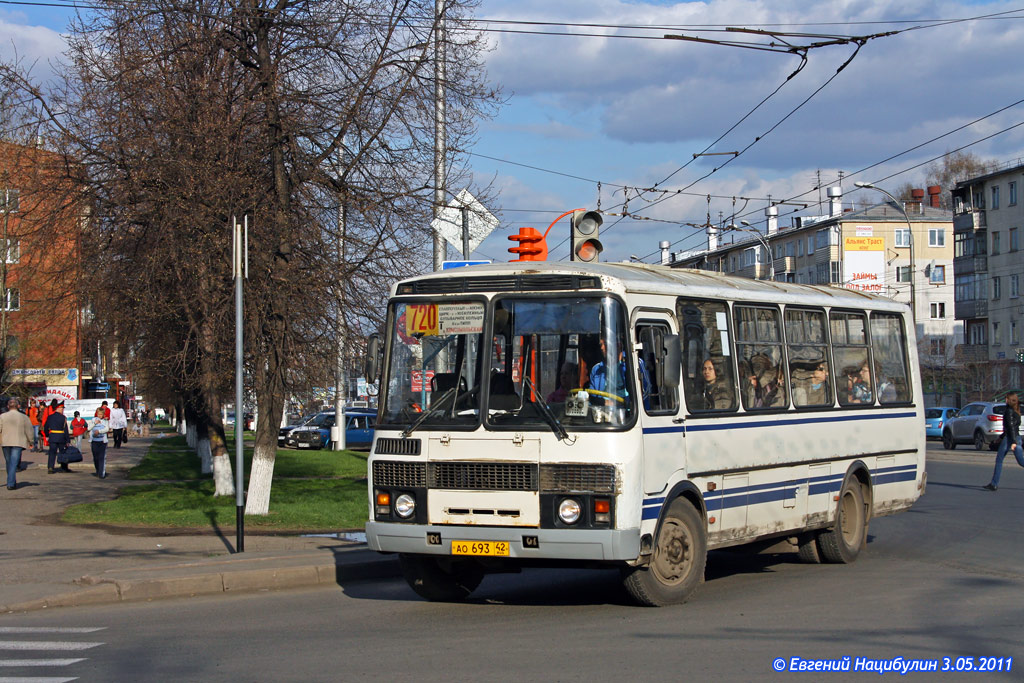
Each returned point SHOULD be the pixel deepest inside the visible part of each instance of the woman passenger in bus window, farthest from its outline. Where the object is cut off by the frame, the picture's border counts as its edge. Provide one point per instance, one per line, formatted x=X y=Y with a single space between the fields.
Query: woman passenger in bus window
x=717 y=393
x=860 y=385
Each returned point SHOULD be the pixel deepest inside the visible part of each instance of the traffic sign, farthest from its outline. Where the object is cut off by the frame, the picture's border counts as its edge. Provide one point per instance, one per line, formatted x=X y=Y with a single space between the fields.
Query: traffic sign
x=480 y=221
x=448 y=265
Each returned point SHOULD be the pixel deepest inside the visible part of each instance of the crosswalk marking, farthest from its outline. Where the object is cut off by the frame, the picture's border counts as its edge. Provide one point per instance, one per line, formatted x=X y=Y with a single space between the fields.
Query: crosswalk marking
x=51 y=629
x=44 y=645
x=38 y=679
x=40 y=662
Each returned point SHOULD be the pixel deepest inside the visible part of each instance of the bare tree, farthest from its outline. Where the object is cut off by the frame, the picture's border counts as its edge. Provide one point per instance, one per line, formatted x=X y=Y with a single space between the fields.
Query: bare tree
x=185 y=114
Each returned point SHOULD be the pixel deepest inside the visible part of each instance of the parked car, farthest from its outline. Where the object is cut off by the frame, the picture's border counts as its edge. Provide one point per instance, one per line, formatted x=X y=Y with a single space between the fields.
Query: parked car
x=284 y=432
x=358 y=430
x=935 y=419
x=980 y=423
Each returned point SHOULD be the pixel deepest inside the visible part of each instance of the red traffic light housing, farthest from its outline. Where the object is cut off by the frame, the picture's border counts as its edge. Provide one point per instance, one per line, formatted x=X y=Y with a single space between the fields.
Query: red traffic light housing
x=532 y=245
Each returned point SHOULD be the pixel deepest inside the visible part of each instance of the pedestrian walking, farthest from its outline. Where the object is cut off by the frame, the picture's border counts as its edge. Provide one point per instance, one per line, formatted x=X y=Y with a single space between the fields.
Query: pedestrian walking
x=16 y=434
x=34 y=418
x=118 y=423
x=1011 y=441
x=98 y=443
x=55 y=429
x=78 y=428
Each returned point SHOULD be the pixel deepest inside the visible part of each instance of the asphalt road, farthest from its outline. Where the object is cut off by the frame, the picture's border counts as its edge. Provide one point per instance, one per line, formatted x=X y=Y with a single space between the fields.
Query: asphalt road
x=943 y=580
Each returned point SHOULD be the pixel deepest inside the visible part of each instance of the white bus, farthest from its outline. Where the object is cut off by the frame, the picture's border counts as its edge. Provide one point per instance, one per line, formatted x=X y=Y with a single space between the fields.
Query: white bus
x=737 y=410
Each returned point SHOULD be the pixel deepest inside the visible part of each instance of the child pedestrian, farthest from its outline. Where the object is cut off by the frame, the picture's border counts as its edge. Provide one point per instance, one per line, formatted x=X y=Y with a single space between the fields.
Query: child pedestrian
x=78 y=428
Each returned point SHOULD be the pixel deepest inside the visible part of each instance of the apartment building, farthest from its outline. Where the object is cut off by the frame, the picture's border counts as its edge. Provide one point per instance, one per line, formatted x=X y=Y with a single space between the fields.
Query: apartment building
x=988 y=218
x=904 y=252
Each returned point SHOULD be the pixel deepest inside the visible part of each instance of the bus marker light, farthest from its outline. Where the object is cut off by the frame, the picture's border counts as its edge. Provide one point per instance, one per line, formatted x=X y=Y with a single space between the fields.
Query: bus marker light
x=711 y=520
x=602 y=506
x=712 y=486
x=383 y=499
x=835 y=499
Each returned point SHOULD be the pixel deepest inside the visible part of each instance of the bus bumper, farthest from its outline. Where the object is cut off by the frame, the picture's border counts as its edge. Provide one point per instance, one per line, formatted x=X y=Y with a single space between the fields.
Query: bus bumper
x=548 y=544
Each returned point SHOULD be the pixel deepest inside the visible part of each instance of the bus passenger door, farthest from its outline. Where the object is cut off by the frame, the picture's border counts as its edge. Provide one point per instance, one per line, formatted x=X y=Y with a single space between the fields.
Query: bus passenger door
x=664 y=443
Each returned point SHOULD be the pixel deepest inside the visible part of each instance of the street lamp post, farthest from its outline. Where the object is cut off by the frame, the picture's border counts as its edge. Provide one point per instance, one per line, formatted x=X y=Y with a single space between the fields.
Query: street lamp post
x=910 y=233
x=761 y=238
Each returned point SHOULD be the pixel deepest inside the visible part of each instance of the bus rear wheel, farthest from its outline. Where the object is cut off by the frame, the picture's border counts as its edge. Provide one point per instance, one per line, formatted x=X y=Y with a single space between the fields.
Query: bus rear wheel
x=842 y=543
x=440 y=579
x=677 y=564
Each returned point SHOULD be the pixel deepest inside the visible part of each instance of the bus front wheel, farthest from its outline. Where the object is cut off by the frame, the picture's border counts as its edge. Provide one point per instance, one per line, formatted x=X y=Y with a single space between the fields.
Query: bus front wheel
x=677 y=564
x=842 y=543
x=441 y=579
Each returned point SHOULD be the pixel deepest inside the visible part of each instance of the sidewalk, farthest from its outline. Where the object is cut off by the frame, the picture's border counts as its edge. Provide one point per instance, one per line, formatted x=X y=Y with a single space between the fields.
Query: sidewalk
x=44 y=563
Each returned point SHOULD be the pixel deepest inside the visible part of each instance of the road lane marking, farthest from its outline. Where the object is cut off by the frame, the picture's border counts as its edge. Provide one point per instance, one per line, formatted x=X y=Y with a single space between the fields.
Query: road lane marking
x=40 y=662
x=51 y=629
x=44 y=645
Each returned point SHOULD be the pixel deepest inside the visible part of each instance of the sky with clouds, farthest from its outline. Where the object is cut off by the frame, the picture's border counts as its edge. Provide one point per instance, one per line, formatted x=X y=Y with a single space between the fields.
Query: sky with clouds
x=629 y=113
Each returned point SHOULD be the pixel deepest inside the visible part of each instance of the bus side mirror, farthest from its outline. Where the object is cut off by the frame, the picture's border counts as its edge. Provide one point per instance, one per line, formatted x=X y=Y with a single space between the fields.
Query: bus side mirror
x=372 y=357
x=672 y=367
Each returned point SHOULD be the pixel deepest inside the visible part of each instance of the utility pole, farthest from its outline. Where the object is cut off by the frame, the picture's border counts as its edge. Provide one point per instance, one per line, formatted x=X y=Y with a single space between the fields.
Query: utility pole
x=340 y=379
x=910 y=234
x=240 y=266
x=439 y=130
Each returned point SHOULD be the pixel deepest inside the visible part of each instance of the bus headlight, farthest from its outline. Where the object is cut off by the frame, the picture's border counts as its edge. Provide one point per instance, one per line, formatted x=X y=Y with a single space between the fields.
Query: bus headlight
x=569 y=510
x=405 y=505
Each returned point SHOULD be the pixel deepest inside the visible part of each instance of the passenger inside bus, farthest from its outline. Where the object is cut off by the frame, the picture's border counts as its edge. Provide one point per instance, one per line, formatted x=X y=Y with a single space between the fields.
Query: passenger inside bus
x=568 y=379
x=717 y=392
x=811 y=390
x=859 y=385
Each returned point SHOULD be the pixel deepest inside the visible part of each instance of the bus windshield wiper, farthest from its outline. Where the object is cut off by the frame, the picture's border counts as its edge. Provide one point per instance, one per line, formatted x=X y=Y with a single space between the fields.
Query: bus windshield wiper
x=549 y=417
x=433 y=409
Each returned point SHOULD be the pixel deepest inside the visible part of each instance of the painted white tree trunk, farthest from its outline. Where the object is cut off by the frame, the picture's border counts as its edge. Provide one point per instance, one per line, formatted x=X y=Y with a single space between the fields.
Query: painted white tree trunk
x=205 y=455
x=257 y=501
x=223 y=482
x=183 y=426
x=190 y=436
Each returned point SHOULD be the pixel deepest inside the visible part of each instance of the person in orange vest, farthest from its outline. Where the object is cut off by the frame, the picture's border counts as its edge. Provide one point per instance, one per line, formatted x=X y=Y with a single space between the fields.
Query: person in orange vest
x=47 y=412
x=33 y=417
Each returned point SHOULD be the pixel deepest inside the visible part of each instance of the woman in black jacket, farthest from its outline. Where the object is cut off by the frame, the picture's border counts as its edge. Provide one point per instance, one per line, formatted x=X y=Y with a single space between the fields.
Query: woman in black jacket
x=1011 y=438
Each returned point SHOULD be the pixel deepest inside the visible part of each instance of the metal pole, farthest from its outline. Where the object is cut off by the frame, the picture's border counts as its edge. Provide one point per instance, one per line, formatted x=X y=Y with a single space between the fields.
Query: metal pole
x=439 y=130
x=910 y=233
x=340 y=381
x=241 y=247
x=465 y=232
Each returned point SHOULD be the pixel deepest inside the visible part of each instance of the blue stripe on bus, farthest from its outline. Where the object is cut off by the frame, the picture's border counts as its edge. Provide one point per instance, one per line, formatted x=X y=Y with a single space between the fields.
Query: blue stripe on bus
x=663 y=430
x=716 y=501
x=807 y=420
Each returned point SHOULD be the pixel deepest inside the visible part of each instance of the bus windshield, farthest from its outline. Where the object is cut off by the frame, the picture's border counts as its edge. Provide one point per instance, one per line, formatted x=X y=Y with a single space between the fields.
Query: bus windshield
x=434 y=366
x=551 y=362
x=565 y=357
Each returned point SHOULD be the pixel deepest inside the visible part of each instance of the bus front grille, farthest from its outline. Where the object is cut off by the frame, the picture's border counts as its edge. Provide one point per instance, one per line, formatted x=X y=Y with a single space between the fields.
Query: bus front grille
x=482 y=476
x=573 y=478
x=399 y=474
x=388 y=446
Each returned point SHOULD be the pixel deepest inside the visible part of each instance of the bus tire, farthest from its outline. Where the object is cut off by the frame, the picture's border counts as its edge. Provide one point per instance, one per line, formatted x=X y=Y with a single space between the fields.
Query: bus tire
x=441 y=579
x=842 y=543
x=807 y=548
x=677 y=564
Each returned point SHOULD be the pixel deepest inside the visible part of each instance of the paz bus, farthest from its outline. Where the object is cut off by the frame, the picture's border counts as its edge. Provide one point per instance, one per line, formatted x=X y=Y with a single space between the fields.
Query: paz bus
x=634 y=416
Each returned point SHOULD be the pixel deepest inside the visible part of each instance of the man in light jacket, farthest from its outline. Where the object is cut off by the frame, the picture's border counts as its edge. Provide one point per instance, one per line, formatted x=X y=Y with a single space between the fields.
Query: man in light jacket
x=16 y=434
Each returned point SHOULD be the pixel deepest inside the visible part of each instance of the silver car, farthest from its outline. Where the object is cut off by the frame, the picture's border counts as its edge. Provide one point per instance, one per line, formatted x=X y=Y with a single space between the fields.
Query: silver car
x=980 y=423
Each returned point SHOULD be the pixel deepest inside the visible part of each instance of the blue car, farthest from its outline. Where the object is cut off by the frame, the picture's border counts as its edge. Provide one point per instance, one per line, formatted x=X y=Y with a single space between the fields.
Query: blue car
x=317 y=434
x=935 y=419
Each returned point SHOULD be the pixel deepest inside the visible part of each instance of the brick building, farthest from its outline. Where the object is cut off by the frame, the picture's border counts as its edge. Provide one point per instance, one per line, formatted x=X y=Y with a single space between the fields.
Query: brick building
x=41 y=217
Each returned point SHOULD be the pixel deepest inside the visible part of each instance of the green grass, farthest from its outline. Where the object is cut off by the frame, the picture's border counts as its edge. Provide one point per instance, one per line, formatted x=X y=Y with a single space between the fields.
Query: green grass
x=295 y=505
x=172 y=459
x=312 y=491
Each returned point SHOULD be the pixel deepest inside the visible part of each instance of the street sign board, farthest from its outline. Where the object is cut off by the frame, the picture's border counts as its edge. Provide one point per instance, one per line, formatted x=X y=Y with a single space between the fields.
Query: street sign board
x=448 y=265
x=449 y=222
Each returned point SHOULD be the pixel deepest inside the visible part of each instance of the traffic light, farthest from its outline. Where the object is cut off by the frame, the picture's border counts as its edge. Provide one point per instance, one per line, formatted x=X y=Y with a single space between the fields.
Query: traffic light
x=532 y=245
x=585 y=228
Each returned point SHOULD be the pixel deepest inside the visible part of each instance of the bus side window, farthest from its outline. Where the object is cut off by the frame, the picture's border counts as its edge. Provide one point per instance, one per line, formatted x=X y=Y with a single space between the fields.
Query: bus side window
x=854 y=386
x=656 y=397
x=889 y=346
x=708 y=379
x=807 y=347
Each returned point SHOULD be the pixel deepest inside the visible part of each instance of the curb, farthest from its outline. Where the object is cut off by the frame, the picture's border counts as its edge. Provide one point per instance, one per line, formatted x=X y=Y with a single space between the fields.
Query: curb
x=98 y=590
